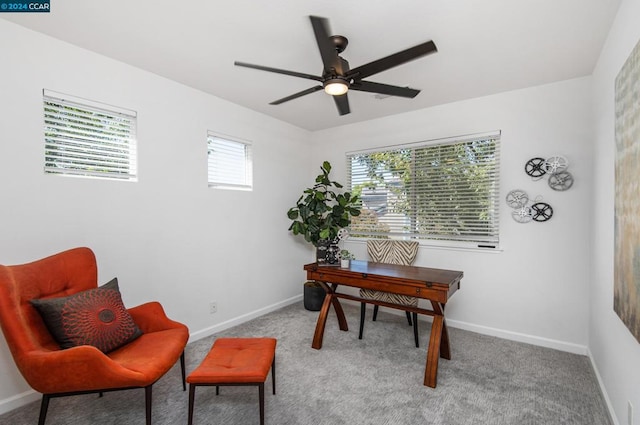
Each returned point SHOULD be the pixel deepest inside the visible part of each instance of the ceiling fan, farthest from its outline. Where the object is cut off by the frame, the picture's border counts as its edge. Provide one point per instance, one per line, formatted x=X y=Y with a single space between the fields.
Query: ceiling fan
x=337 y=78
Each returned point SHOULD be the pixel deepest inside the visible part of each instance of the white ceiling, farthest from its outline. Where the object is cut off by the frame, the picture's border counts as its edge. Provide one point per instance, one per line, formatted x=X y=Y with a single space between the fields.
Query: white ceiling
x=484 y=47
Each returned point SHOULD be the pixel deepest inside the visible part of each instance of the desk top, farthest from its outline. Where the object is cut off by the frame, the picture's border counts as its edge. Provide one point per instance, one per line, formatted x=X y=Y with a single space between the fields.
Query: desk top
x=420 y=274
x=412 y=275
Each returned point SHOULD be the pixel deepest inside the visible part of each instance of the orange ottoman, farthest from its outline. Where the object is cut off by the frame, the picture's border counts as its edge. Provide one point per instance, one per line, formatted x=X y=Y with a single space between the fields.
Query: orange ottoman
x=236 y=361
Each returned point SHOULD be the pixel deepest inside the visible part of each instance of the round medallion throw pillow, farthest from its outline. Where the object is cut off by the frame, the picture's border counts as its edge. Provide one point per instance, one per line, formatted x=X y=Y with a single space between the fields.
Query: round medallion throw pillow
x=94 y=317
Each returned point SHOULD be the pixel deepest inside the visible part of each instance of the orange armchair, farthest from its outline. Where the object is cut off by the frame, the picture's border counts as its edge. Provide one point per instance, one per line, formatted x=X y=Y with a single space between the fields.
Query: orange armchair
x=83 y=369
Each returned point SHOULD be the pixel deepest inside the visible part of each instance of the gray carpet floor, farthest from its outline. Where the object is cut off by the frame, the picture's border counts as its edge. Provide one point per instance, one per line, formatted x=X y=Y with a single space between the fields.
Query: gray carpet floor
x=376 y=380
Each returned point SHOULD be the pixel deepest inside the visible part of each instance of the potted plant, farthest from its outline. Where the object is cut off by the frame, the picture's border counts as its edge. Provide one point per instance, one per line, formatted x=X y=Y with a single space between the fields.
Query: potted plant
x=319 y=215
x=345 y=258
x=321 y=212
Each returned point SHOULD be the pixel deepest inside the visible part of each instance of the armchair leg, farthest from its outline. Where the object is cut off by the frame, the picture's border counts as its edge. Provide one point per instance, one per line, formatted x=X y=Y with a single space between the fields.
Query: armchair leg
x=363 y=310
x=147 y=402
x=184 y=382
x=415 y=328
x=44 y=405
x=375 y=312
x=409 y=318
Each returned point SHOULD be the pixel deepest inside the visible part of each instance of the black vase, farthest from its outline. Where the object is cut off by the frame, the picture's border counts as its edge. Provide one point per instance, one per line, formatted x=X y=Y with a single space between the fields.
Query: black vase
x=313 y=296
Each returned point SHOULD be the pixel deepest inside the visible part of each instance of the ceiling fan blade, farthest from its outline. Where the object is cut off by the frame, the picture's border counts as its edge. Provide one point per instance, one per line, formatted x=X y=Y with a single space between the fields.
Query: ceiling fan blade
x=391 y=61
x=279 y=71
x=342 y=103
x=296 y=95
x=328 y=51
x=372 y=87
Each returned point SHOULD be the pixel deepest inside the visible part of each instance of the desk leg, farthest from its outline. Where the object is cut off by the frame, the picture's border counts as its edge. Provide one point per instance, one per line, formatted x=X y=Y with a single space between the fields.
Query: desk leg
x=433 y=352
x=329 y=299
x=445 y=350
x=342 y=320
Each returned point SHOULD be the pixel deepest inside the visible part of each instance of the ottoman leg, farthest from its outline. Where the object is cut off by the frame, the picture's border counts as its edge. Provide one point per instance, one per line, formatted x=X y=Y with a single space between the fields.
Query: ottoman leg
x=261 y=396
x=273 y=373
x=192 y=393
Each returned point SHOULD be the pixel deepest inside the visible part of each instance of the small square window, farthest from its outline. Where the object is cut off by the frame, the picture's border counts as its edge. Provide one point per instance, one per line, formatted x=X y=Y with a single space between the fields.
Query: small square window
x=230 y=164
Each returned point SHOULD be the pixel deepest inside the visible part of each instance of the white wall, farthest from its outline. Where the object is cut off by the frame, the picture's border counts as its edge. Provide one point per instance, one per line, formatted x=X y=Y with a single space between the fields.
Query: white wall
x=167 y=237
x=536 y=288
x=614 y=349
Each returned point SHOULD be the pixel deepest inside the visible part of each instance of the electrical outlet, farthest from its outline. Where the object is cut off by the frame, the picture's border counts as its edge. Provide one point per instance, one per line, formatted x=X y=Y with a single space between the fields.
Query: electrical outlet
x=213 y=307
x=629 y=413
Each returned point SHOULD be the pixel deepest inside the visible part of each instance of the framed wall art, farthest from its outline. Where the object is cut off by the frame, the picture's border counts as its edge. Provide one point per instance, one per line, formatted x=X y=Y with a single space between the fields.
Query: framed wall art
x=626 y=293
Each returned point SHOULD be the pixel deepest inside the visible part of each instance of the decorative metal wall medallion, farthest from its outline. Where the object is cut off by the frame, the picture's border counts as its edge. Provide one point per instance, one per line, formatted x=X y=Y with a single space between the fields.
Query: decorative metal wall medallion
x=561 y=181
x=541 y=211
x=522 y=215
x=517 y=198
x=555 y=164
x=535 y=167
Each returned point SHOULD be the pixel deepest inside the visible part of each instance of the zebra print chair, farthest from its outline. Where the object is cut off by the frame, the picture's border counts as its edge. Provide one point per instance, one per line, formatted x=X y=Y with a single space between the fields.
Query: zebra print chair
x=391 y=252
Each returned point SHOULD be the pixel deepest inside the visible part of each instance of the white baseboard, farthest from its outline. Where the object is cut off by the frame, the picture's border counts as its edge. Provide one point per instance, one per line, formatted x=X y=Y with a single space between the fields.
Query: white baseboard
x=18 y=400
x=520 y=337
x=241 y=319
x=607 y=400
x=500 y=333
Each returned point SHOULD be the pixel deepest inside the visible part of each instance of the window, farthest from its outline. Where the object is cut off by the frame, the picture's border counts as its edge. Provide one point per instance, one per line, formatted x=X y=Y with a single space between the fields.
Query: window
x=443 y=190
x=88 y=139
x=229 y=163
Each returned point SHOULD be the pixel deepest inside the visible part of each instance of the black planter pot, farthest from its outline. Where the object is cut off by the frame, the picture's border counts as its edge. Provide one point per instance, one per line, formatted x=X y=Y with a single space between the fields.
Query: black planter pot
x=313 y=296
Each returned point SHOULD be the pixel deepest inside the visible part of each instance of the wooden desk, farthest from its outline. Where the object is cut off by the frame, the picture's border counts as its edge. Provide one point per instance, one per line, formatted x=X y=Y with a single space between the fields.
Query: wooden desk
x=435 y=285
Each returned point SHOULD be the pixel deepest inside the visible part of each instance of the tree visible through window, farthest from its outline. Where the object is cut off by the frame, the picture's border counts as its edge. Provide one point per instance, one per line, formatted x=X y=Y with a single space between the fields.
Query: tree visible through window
x=442 y=190
x=88 y=139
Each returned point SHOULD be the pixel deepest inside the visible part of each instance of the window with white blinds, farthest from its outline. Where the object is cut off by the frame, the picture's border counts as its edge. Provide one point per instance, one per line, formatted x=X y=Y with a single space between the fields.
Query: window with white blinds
x=230 y=164
x=443 y=190
x=88 y=139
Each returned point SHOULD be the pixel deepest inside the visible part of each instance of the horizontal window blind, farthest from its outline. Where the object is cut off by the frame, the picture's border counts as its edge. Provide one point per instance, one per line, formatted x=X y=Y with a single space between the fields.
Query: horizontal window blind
x=84 y=138
x=439 y=190
x=230 y=163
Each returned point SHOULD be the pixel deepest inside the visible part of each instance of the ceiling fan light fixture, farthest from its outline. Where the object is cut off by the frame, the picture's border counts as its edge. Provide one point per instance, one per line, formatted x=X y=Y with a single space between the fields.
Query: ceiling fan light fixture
x=336 y=87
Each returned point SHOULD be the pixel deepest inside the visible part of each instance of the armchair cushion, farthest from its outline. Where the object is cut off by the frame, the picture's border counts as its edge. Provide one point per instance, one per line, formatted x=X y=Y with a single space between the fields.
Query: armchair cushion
x=94 y=317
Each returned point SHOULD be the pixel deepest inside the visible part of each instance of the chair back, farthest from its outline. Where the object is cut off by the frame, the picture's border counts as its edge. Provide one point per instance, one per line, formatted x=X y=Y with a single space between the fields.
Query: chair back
x=392 y=252
x=59 y=275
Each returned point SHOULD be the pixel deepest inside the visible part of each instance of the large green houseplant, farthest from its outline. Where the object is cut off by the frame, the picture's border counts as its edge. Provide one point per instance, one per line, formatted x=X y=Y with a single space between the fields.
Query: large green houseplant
x=318 y=215
x=321 y=211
